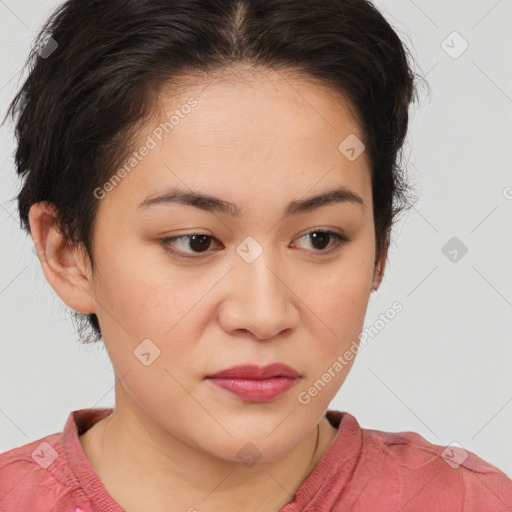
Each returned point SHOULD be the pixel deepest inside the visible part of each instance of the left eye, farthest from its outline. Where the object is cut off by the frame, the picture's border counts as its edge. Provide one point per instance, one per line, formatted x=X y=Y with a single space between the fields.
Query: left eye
x=322 y=238
x=201 y=243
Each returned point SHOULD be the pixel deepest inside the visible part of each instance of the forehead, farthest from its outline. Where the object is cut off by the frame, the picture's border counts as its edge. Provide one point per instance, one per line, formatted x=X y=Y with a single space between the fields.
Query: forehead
x=237 y=101
x=249 y=133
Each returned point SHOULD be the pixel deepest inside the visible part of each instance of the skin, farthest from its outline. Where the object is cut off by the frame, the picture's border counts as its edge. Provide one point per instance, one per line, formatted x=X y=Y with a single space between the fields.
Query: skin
x=260 y=141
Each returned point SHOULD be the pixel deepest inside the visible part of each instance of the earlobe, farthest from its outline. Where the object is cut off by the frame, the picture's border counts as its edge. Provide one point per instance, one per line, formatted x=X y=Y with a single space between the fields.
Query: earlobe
x=376 y=282
x=63 y=266
x=378 y=273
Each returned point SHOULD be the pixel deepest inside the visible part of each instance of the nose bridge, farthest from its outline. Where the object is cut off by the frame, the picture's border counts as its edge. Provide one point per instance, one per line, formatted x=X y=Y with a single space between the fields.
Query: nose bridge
x=260 y=273
x=262 y=297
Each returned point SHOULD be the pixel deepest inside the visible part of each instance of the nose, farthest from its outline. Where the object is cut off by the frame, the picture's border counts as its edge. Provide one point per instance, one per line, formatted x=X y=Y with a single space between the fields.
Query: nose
x=261 y=299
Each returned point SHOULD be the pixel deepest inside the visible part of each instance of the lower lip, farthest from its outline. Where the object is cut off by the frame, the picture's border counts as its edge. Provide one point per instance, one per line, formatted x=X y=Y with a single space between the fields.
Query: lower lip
x=252 y=390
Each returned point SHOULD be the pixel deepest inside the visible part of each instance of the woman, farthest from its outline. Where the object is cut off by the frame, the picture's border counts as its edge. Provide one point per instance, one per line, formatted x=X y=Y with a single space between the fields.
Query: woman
x=211 y=186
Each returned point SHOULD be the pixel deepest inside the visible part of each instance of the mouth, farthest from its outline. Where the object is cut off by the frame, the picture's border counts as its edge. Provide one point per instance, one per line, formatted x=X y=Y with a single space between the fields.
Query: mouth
x=254 y=384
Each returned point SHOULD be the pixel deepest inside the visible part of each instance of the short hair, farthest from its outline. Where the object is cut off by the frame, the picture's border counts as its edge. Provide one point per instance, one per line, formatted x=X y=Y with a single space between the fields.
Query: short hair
x=97 y=67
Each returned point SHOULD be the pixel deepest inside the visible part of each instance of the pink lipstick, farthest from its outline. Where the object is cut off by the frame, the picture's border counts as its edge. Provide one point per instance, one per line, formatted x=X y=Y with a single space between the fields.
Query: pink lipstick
x=255 y=384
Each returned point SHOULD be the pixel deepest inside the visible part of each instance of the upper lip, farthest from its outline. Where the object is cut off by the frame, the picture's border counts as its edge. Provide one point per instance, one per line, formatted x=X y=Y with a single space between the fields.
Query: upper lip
x=257 y=372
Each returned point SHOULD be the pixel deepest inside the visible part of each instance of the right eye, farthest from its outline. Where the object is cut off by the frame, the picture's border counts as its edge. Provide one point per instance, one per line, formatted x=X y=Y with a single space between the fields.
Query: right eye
x=195 y=241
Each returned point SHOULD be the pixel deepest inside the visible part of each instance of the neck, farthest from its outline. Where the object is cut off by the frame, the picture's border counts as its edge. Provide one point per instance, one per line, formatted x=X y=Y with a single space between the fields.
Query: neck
x=161 y=466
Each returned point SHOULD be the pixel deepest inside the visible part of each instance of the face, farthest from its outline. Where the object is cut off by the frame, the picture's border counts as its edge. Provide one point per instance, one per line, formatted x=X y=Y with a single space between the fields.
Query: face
x=183 y=291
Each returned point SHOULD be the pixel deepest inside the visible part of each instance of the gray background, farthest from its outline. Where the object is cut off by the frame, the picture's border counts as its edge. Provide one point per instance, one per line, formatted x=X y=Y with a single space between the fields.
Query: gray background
x=442 y=367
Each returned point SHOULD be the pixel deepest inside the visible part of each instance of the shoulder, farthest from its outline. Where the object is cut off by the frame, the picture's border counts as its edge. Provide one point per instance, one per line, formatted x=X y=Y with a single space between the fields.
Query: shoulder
x=34 y=475
x=436 y=477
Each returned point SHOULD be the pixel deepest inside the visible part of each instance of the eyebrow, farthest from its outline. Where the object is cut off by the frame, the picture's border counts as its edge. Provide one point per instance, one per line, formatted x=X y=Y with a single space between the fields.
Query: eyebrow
x=211 y=203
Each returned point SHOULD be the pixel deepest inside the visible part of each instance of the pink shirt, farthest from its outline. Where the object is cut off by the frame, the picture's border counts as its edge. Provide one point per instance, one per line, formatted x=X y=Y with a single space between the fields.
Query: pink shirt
x=363 y=470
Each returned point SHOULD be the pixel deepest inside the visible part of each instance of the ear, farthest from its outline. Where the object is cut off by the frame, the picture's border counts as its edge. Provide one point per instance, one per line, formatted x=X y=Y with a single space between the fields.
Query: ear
x=67 y=269
x=378 y=273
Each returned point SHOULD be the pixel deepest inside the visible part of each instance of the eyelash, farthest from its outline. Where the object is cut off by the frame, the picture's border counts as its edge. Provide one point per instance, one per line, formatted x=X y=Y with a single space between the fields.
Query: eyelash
x=340 y=241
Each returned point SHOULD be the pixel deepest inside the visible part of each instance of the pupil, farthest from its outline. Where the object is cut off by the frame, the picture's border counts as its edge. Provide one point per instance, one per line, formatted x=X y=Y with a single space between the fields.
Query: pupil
x=322 y=237
x=200 y=241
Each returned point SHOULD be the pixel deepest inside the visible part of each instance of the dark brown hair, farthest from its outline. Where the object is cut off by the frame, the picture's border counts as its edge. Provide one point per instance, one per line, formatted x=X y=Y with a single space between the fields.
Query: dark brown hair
x=93 y=82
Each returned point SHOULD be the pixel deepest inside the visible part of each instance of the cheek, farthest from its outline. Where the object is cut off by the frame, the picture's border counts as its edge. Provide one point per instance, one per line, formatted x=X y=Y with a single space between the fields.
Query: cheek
x=337 y=305
x=148 y=328
x=340 y=308
x=341 y=316
x=340 y=294
x=144 y=294
x=158 y=302
x=343 y=304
